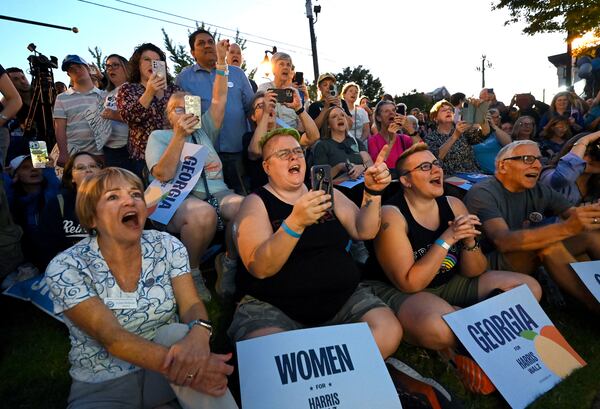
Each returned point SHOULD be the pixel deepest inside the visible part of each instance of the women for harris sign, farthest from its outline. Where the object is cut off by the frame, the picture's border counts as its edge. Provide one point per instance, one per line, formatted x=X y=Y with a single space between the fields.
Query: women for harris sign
x=516 y=344
x=337 y=367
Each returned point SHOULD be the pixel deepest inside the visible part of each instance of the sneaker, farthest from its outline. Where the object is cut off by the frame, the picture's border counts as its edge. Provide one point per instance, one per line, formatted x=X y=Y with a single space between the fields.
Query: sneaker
x=471 y=375
x=417 y=391
x=203 y=291
x=226 y=270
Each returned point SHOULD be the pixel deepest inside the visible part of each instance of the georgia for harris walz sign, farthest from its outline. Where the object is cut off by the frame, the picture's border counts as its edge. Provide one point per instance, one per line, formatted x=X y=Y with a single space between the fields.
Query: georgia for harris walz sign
x=516 y=344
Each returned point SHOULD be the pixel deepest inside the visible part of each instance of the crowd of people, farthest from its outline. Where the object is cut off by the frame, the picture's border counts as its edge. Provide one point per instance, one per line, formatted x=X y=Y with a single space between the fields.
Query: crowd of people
x=383 y=241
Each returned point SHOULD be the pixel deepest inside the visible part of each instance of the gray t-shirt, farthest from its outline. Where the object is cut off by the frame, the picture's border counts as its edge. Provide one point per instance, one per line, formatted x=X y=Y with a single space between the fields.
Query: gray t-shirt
x=489 y=200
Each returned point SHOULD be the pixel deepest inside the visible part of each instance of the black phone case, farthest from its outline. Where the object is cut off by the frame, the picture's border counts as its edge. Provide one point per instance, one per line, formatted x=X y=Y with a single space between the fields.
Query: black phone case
x=320 y=179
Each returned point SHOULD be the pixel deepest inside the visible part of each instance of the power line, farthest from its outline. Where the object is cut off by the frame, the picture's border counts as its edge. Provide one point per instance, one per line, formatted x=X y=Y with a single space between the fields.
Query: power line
x=213 y=25
x=174 y=22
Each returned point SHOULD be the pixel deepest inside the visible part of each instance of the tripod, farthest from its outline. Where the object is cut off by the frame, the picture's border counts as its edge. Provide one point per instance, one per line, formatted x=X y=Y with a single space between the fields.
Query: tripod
x=42 y=101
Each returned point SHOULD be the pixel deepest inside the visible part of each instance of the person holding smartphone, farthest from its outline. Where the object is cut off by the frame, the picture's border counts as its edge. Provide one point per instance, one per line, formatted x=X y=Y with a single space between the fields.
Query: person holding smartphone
x=142 y=101
x=329 y=97
x=389 y=124
x=297 y=271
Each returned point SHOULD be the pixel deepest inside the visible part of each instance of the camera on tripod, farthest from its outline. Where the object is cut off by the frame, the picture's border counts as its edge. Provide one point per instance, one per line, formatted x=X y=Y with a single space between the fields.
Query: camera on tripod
x=43 y=97
x=39 y=61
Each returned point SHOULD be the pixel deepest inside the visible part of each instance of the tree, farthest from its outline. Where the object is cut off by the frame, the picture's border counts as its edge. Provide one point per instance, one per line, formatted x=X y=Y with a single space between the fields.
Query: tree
x=369 y=86
x=575 y=17
x=100 y=61
x=415 y=99
x=178 y=54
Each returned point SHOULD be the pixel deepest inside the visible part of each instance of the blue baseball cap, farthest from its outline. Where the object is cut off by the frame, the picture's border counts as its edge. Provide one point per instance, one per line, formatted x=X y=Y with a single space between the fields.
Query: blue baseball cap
x=72 y=59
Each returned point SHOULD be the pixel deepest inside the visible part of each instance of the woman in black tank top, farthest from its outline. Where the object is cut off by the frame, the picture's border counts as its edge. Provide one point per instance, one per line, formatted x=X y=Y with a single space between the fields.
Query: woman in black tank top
x=429 y=254
x=292 y=244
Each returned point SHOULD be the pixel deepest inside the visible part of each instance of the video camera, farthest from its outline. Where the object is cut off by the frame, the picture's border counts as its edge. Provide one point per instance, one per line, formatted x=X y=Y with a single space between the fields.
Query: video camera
x=38 y=124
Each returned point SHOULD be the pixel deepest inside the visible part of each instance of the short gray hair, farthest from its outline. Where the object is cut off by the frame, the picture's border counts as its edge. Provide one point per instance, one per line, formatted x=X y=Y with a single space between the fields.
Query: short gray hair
x=280 y=56
x=507 y=150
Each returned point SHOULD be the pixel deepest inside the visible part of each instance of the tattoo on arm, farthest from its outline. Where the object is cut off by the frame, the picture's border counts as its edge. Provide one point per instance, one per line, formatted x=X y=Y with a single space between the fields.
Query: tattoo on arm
x=384 y=226
x=368 y=202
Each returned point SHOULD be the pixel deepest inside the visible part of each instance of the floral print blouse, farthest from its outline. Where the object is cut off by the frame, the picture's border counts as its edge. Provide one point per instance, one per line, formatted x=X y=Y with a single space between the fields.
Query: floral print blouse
x=142 y=121
x=460 y=157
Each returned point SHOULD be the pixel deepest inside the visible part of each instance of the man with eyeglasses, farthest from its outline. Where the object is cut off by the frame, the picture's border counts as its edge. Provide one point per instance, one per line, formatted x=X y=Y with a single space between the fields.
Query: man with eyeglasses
x=199 y=79
x=527 y=224
x=75 y=110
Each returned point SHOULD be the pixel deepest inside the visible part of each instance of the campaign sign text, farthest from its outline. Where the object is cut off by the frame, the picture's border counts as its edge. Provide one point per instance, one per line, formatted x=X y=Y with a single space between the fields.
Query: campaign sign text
x=589 y=273
x=337 y=367
x=515 y=343
x=163 y=199
x=35 y=290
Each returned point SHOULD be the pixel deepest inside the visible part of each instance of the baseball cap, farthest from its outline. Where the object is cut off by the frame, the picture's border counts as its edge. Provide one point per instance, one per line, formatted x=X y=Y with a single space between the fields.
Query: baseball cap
x=72 y=59
x=325 y=76
x=16 y=162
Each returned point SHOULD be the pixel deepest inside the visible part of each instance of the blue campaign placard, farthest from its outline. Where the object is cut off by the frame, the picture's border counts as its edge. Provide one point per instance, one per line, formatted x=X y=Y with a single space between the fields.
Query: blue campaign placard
x=35 y=290
x=336 y=367
x=589 y=273
x=512 y=339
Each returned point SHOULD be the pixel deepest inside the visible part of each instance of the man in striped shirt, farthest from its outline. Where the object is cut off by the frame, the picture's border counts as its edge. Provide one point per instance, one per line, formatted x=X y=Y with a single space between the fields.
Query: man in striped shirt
x=77 y=110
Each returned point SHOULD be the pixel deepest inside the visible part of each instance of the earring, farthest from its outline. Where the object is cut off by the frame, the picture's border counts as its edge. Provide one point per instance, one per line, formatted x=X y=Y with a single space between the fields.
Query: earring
x=409 y=186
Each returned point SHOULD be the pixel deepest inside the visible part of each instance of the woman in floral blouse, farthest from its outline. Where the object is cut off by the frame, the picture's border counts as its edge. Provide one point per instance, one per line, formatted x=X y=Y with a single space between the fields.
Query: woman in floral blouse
x=448 y=141
x=142 y=101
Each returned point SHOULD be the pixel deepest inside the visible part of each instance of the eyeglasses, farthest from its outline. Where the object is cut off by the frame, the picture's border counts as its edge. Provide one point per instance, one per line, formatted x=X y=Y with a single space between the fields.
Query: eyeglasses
x=113 y=66
x=425 y=166
x=260 y=105
x=178 y=110
x=83 y=168
x=526 y=159
x=287 y=154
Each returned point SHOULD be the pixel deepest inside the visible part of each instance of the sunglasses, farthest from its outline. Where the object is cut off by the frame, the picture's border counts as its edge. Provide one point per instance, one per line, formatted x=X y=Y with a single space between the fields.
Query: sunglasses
x=526 y=159
x=425 y=166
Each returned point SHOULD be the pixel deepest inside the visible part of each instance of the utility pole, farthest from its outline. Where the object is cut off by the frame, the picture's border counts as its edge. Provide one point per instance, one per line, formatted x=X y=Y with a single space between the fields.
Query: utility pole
x=484 y=60
x=313 y=38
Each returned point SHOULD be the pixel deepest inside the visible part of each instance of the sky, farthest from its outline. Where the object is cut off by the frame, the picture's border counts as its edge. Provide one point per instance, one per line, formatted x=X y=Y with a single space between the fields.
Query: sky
x=409 y=45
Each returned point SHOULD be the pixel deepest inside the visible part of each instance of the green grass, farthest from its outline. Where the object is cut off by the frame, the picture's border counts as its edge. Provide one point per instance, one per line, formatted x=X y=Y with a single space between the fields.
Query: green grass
x=34 y=366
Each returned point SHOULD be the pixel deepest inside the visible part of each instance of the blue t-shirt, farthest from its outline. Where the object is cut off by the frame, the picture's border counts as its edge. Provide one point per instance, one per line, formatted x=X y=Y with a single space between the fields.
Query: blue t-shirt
x=80 y=273
x=485 y=153
x=205 y=136
x=199 y=81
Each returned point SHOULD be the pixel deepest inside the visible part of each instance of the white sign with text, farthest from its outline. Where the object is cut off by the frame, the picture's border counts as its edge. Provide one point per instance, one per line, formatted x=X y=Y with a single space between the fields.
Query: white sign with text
x=589 y=273
x=336 y=367
x=515 y=343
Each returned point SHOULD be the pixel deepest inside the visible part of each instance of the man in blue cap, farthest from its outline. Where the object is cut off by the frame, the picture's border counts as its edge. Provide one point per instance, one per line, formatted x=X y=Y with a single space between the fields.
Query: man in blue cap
x=77 y=121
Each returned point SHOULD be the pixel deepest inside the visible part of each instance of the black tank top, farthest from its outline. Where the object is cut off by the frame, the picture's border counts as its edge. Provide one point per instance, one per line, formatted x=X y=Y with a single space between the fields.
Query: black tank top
x=318 y=277
x=422 y=238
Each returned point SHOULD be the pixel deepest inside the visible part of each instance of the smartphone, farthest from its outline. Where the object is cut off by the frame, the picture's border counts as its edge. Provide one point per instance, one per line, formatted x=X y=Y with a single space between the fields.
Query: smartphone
x=283 y=95
x=192 y=106
x=333 y=90
x=467 y=113
x=159 y=68
x=401 y=109
x=320 y=179
x=39 y=154
x=298 y=78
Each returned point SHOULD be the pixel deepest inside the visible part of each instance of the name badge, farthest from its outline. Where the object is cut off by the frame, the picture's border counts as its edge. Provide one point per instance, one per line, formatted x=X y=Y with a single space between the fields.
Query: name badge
x=115 y=303
x=230 y=84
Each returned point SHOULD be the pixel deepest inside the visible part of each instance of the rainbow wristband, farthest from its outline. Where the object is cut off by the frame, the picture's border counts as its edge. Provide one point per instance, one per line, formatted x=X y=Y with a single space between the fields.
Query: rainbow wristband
x=442 y=244
x=289 y=231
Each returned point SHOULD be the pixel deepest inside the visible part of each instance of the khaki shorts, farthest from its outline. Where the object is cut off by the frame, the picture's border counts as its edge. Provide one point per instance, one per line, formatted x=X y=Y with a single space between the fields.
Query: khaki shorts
x=252 y=314
x=460 y=291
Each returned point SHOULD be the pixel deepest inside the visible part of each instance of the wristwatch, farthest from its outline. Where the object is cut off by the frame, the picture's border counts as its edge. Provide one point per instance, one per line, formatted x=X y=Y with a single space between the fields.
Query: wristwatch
x=202 y=323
